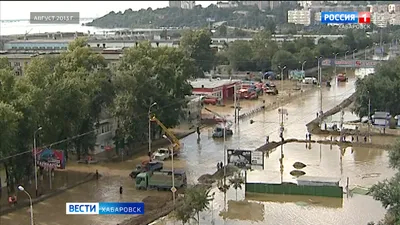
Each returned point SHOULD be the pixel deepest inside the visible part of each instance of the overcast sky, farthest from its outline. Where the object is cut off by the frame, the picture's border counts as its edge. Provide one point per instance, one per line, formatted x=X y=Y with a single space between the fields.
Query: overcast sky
x=20 y=10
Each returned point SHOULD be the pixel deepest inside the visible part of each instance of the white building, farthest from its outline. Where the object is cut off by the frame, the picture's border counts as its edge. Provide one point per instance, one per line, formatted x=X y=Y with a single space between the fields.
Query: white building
x=227 y=5
x=300 y=17
x=187 y=4
x=305 y=4
x=381 y=19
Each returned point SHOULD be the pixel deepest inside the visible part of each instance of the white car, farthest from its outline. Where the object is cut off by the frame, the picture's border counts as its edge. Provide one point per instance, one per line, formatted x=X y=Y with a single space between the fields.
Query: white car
x=162 y=154
x=309 y=80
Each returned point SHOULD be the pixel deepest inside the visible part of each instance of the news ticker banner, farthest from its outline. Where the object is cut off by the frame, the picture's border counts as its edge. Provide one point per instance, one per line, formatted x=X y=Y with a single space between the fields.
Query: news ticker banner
x=104 y=208
x=54 y=18
x=350 y=63
x=345 y=17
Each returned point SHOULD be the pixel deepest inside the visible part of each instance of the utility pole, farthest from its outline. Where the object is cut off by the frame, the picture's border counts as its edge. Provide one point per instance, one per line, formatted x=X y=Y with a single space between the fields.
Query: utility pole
x=282 y=128
x=235 y=101
x=320 y=90
x=335 y=73
x=345 y=57
x=369 y=116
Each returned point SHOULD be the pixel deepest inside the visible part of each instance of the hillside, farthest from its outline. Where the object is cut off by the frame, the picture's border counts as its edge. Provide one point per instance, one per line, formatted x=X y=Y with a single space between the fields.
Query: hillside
x=245 y=17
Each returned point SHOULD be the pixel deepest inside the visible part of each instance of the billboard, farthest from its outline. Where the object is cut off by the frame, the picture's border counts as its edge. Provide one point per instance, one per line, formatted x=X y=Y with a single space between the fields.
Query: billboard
x=50 y=158
x=245 y=158
x=297 y=74
x=350 y=63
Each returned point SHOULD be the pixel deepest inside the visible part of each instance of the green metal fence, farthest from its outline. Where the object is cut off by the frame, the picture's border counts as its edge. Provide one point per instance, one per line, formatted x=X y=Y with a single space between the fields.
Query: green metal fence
x=293 y=189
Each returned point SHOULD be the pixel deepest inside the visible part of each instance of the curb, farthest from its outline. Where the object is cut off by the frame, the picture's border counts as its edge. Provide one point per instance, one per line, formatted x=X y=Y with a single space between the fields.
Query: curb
x=26 y=203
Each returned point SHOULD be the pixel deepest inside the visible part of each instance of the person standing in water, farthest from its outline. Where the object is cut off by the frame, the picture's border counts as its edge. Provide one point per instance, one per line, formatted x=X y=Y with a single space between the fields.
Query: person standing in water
x=120 y=190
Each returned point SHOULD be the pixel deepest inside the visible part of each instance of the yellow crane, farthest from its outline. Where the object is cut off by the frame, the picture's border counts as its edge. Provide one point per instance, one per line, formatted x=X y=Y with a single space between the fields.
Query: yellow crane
x=174 y=139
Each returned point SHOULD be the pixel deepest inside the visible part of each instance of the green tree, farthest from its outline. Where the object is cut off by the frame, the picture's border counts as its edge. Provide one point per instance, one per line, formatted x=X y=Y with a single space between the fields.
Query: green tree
x=199 y=199
x=148 y=75
x=263 y=49
x=184 y=213
x=197 y=44
x=387 y=192
x=379 y=89
x=237 y=181
x=223 y=30
x=240 y=55
x=284 y=58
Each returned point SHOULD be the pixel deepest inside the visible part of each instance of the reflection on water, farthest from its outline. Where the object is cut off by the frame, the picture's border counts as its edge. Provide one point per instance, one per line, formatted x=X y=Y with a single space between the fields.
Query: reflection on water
x=363 y=166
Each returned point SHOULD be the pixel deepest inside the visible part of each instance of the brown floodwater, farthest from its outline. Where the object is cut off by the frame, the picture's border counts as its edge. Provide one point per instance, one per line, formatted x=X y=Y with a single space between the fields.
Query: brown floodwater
x=201 y=157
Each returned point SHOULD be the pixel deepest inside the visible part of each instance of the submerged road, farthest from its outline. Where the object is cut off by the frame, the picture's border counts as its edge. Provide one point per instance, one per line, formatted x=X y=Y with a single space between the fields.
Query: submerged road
x=196 y=158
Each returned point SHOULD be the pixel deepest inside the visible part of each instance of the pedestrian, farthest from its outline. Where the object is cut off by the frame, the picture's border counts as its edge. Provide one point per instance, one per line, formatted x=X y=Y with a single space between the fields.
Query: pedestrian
x=309 y=137
x=326 y=127
x=222 y=165
x=306 y=136
x=267 y=139
x=198 y=131
x=97 y=174
x=352 y=138
x=317 y=115
x=331 y=138
x=365 y=138
x=357 y=138
x=120 y=190
x=217 y=166
x=344 y=137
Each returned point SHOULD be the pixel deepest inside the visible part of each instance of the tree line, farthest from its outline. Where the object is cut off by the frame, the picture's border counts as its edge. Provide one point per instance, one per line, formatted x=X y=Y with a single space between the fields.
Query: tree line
x=264 y=54
x=68 y=94
x=198 y=17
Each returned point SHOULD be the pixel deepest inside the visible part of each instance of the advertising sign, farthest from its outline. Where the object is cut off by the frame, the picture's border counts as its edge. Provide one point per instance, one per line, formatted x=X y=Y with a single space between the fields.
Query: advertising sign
x=297 y=74
x=245 y=158
x=350 y=63
x=50 y=158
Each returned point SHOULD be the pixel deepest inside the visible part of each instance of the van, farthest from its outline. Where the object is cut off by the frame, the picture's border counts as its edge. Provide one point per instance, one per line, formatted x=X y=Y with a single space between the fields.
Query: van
x=309 y=80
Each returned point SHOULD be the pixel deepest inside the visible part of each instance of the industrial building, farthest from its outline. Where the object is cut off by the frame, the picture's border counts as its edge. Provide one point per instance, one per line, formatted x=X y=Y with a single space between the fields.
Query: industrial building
x=221 y=89
x=182 y=4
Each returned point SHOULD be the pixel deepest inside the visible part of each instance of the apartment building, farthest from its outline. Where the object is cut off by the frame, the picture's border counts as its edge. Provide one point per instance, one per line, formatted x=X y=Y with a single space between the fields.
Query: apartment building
x=303 y=17
x=378 y=8
x=182 y=4
x=394 y=8
x=262 y=5
x=227 y=4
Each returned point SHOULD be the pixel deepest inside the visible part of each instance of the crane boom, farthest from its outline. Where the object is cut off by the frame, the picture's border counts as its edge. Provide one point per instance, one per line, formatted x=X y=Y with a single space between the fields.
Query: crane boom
x=175 y=140
x=222 y=117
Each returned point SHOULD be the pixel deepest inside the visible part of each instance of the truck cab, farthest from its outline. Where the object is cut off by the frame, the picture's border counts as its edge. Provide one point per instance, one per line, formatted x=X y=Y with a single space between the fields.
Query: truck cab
x=219 y=132
x=146 y=166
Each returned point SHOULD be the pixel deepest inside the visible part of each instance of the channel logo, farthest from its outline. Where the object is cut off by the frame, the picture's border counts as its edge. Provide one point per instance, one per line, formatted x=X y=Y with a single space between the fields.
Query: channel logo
x=345 y=17
x=104 y=208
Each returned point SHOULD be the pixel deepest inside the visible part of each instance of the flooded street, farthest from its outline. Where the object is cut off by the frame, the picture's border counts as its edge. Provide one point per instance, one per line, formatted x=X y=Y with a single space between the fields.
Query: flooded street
x=200 y=158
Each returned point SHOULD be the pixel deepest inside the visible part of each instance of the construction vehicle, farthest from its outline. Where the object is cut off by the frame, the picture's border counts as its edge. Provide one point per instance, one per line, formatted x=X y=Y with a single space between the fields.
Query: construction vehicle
x=145 y=167
x=176 y=145
x=161 y=180
x=219 y=128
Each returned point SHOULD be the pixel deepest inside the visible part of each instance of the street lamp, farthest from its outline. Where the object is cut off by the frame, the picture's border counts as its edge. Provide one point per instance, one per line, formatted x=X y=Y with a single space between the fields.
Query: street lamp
x=365 y=52
x=21 y=188
x=335 y=54
x=302 y=65
x=345 y=57
x=320 y=81
x=35 y=158
x=172 y=168
x=149 y=114
x=354 y=54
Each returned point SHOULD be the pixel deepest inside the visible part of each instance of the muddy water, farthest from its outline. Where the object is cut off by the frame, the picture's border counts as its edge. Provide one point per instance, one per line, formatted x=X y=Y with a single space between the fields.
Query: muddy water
x=363 y=166
x=197 y=158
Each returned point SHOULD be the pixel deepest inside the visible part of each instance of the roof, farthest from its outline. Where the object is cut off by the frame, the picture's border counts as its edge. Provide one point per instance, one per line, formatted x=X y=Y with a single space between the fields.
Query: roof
x=319 y=179
x=29 y=55
x=211 y=83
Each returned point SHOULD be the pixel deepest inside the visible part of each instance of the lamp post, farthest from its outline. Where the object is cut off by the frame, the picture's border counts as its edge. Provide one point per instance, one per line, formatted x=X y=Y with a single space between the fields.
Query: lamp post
x=365 y=52
x=212 y=207
x=172 y=169
x=282 y=127
x=345 y=57
x=35 y=158
x=149 y=114
x=354 y=56
x=21 y=188
x=369 y=116
x=302 y=65
x=320 y=81
x=335 y=54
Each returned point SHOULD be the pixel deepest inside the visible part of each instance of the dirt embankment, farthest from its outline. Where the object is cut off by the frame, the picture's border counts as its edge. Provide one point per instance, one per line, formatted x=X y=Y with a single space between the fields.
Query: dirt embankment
x=313 y=126
x=156 y=207
x=272 y=145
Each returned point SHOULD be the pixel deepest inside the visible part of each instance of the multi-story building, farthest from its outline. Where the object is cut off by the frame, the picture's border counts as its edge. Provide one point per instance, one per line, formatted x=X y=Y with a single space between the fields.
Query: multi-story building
x=262 y=5
x=378 y=8
x=182 y=4
x=381 y=19
x=394 y=8
x=303 y=17
x=227 y=4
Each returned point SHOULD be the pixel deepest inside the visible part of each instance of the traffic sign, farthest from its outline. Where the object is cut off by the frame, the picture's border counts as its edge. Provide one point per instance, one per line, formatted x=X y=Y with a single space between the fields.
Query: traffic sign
x=173 y=189
x=283 y=111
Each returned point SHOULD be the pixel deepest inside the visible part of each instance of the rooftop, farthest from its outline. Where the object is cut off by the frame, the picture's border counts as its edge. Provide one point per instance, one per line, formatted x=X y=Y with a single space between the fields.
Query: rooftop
x=28 y=55
x=211 y=83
